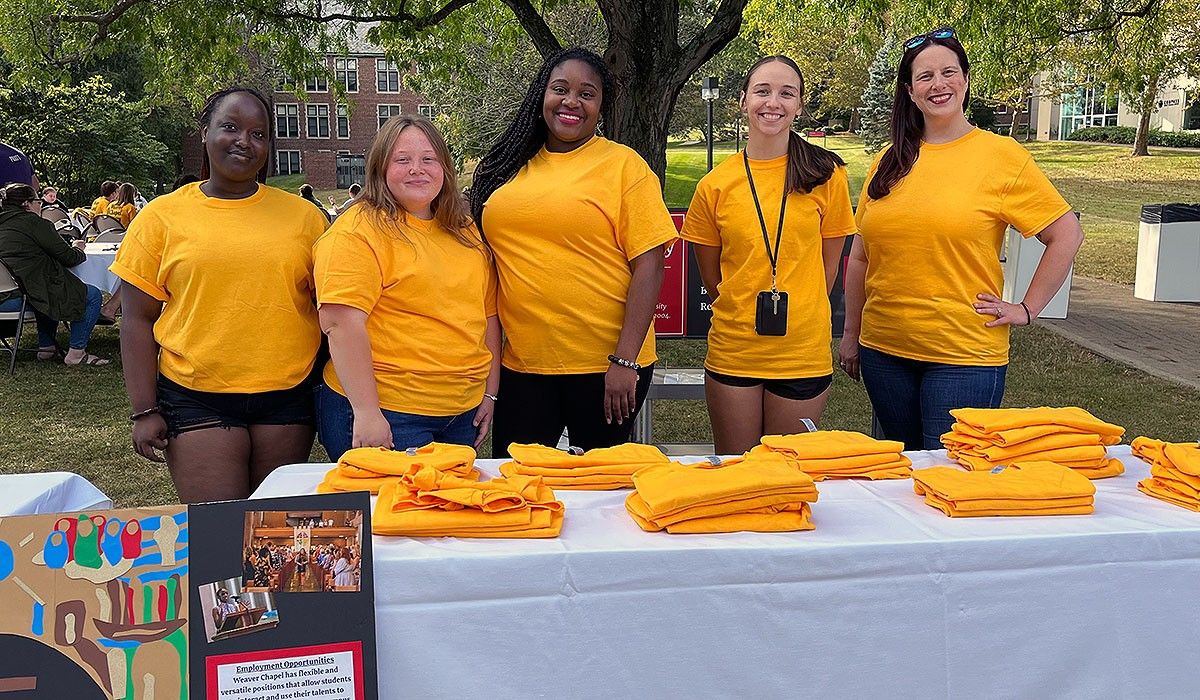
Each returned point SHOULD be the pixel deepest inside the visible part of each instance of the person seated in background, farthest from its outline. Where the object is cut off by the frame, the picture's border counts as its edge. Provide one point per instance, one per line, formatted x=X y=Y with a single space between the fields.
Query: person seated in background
x=50 y=199
x=354 y=191
x=124 y=204
x=38 y=258
x=108 y=190
x=306 y=192
x=138 y=200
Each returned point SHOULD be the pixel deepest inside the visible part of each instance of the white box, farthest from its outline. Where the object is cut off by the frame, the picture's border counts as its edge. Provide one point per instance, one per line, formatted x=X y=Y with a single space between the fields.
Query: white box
x=1024 y=254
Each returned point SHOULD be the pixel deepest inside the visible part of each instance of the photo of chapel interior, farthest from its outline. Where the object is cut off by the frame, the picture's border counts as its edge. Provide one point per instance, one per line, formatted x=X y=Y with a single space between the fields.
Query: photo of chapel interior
x=302 y=551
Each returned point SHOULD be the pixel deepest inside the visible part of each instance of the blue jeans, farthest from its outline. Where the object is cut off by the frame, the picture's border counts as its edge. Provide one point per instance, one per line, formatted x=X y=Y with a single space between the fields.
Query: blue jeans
x=913 y=399
x=81 y=330
x=335 y=426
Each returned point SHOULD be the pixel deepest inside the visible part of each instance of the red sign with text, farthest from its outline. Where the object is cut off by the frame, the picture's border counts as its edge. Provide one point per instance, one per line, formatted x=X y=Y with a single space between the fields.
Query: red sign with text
x=670 y=314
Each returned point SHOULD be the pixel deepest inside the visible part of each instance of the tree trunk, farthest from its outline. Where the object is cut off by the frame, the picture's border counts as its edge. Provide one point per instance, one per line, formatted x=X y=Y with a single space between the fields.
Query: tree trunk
x=1016 y=109
x=652 y=67
x=1141 y=141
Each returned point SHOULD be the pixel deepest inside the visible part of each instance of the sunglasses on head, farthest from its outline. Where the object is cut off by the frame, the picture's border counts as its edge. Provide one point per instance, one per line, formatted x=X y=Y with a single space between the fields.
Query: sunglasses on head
x=943 y=33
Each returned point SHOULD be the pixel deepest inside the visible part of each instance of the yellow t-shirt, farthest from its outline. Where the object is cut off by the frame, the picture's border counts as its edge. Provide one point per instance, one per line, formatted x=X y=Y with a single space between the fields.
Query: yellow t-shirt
x=124 y=212
x=100 y=205
x=563 y=231
x=934 y=243
x=235 y=276
x=427 y=301
x=722 y=214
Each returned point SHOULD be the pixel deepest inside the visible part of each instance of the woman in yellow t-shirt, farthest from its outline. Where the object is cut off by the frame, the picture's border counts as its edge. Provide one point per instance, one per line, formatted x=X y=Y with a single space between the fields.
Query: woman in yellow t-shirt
x=407 y=297
x=577 y=225
x=123 y=206
x=220 y=332
x=924 y=317
x=771 y=220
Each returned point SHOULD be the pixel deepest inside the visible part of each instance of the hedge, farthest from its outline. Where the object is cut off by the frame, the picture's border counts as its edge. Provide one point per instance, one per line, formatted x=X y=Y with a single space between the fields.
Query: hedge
x=1125 y=134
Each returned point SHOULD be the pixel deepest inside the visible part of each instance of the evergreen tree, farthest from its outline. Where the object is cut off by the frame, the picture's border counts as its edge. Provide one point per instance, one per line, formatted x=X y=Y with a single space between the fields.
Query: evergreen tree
x=876 y=110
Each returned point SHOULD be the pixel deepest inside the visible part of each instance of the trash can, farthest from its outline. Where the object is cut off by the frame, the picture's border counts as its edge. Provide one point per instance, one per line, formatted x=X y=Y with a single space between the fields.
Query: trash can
x=1168 y=253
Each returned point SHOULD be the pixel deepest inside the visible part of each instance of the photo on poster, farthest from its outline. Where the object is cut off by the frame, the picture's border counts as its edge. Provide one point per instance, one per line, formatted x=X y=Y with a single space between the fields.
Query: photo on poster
x=302 y=551
x=234 y=611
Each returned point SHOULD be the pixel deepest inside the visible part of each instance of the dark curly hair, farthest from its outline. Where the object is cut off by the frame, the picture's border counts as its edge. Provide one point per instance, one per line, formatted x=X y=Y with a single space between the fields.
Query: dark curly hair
x=205 y=119
x=527 y=132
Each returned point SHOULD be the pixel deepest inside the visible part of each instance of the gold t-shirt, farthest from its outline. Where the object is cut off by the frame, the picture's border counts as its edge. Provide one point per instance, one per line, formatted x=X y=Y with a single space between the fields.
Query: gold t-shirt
x=722 y=213
x=235 y=279
x=934 y=243
x=563 y=231
x=427 y=298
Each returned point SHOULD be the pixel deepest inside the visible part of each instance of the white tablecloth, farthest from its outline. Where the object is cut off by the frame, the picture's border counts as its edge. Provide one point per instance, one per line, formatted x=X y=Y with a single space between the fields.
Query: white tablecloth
x=49 y=492
x=94 y=270
x=886 y=598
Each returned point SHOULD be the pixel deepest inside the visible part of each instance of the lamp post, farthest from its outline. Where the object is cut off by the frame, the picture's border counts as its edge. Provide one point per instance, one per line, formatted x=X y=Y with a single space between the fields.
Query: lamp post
x=710 y=92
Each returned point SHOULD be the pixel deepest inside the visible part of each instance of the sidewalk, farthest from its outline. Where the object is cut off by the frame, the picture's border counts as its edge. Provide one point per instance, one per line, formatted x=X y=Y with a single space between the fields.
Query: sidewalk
x=1159 y=338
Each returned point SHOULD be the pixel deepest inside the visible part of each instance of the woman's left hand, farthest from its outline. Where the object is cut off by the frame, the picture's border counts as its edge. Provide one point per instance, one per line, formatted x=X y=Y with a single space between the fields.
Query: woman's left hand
x=620 y=393
x=483 y=420
x=1006 y=314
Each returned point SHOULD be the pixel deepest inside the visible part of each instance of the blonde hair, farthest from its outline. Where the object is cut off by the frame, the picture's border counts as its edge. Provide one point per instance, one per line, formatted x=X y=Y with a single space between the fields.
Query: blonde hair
x=449 y=207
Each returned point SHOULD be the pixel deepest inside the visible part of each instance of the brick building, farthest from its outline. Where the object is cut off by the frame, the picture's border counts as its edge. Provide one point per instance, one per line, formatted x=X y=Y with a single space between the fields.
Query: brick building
x=326 y=140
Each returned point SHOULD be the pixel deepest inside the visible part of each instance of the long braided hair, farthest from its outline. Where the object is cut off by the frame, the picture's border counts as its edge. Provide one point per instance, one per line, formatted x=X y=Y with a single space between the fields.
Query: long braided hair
x=205 y=119
x=526 y=134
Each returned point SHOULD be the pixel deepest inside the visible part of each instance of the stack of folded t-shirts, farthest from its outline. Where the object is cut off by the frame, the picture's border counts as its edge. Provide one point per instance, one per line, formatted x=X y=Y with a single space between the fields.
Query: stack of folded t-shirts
x=369 y=468
x=595 y=470
x=1174 y=471
x=755 y=492
x=431 y=503
x=1027 y=488
x=982 y=438
x=839 y=454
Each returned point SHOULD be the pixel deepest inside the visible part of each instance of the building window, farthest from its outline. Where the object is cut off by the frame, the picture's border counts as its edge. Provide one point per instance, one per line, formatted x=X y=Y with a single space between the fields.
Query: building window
x=386 y=112
x=387 y=75
x=343 y=122
x=287 y=162
x=285 y=83
x=318 y=121
x=320 y=84
x=287 y=121
x=427 y=111
x=346 y=72
x=1087 y=106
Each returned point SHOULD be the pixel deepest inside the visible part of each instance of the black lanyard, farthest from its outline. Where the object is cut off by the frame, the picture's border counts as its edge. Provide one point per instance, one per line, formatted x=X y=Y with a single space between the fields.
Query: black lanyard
x=773 y=256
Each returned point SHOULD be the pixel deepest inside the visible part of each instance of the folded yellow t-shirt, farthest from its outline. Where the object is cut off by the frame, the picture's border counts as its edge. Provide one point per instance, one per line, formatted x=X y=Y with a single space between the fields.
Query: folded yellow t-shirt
x=969 y=435
x=630 y=453
x=675 y=492
x=335 y=482
x=993 y=420
x=830 y=444
x=1037 y=483
x=784 y=514
x=1162 y=490
x=382 y=461
x=403 y=507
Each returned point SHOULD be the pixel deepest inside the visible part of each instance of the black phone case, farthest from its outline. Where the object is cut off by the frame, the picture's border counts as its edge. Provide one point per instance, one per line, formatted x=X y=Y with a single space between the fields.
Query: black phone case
x=770 y=317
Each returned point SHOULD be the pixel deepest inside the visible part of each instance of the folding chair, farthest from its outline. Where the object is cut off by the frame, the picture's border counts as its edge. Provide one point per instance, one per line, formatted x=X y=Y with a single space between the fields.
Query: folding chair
x=8 y=283
x=54 y=214
x=107 y=222
x=115 y=236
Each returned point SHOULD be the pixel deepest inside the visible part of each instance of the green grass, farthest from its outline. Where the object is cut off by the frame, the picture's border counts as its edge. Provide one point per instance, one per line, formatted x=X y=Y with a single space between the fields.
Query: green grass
x=74 y=419
x=291 y=183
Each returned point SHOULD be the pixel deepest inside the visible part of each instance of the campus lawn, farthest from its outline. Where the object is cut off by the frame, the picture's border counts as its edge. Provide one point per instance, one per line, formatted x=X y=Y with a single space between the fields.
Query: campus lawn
x=1104 y=183
x=74 y=419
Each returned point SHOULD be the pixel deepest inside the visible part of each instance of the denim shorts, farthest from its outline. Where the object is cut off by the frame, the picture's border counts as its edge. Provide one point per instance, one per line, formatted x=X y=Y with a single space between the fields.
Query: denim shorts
x=186 y=409
x=793 y=389
x=335 y=426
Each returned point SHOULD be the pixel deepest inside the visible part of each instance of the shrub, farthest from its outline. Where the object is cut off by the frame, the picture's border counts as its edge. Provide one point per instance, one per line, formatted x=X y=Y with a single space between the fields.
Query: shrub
x=1126 y=134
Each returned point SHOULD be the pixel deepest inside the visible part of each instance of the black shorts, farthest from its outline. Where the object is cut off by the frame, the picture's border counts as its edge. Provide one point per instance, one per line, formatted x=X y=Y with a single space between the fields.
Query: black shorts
x=186 y=409
x=794 y=389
